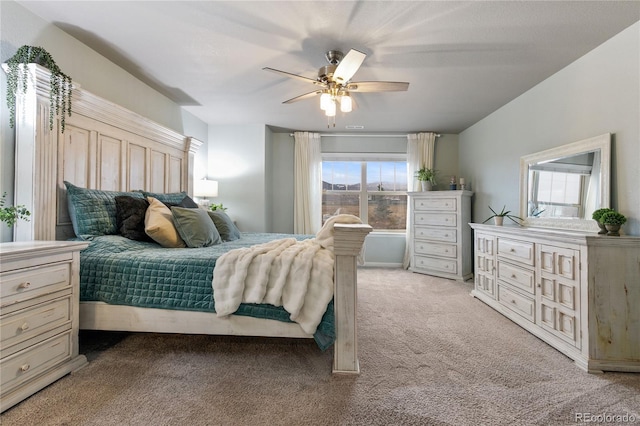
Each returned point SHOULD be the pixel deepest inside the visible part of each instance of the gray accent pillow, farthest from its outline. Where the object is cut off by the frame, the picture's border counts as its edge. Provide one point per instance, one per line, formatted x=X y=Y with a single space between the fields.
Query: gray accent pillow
x=195 y=227
x=92 y=211
x=227 y=229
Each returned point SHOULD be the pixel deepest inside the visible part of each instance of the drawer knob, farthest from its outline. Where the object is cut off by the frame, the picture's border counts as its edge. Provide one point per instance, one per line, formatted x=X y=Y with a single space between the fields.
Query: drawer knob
x=25 y=284
x=513 y=301
x=512 y=250
x=25 y=367
x=25 y=326
x=513 y=276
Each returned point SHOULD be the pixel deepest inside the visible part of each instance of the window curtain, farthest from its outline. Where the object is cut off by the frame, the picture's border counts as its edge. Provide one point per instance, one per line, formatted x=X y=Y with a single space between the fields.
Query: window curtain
x=307 y=210
x=420 y=150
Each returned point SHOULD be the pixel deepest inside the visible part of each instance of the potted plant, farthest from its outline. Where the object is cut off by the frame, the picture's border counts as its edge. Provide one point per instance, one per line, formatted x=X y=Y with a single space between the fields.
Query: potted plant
x=427 y=178
x=499 y=217
x=11 y=214
x=597 y=215
x=214 y=207
x=17 y=76
x=613 y=221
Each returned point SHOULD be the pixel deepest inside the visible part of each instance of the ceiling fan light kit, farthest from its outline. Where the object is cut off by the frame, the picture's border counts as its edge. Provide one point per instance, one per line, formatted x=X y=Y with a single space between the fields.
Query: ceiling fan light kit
x=335 y=83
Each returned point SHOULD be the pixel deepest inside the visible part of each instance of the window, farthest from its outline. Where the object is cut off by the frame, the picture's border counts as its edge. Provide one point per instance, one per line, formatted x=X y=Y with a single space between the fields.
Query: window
x=556 y=194
x=374 y=190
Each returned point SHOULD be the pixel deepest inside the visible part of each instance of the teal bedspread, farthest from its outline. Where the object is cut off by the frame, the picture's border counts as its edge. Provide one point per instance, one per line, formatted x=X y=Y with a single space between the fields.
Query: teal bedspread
x=119 y=271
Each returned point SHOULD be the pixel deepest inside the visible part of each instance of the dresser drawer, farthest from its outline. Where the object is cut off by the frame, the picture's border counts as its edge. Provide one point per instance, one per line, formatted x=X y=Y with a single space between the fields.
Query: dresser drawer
x=433 y=249
x=516 y=302
x=520 y=251
x=442 y=265
x=29 y=283
x=30 y=362
x=436 y=234
x=436 y=219
x=518 y=277
x=34 y=323
x=440 y=204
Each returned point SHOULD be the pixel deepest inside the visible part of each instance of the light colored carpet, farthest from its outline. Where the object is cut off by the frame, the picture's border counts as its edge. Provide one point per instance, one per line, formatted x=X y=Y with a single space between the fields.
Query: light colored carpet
x=429 y=353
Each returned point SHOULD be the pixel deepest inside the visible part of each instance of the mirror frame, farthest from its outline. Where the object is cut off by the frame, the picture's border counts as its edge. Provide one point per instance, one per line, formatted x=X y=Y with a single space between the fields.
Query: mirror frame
x=603 y=143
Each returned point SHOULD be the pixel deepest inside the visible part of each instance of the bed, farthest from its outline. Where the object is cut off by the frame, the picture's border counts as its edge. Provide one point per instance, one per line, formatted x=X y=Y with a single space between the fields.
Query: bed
x=108 y=148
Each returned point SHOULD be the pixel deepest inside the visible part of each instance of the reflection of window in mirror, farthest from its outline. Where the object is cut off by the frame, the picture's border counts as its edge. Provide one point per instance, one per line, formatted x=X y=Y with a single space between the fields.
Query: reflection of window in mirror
x=556 y=194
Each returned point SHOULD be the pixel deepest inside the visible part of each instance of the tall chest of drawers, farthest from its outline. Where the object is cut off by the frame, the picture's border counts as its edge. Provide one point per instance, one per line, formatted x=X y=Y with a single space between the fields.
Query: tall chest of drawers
x=439 y=235
x=577 y=291
x=39 y=299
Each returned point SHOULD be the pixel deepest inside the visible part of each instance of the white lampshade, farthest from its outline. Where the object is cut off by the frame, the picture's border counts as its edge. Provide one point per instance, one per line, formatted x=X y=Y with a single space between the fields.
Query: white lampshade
x=330 y=111
x=206 y=188
x=325 y=100
x=345 y=103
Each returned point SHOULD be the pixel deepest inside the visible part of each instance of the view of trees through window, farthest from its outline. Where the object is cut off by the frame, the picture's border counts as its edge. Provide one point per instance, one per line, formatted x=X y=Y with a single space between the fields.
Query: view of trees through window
x=376 y=191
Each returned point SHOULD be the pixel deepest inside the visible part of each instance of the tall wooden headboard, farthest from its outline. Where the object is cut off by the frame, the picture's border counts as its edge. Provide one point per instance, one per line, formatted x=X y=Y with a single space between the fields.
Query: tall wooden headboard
x=104 y=146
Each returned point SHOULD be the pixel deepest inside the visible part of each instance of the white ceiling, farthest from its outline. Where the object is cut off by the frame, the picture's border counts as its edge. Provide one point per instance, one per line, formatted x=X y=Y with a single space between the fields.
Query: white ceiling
x=463 y=59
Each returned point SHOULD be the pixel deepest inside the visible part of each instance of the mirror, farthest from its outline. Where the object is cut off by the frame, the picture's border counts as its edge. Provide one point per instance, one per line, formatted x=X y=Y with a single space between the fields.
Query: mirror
x=561 y=187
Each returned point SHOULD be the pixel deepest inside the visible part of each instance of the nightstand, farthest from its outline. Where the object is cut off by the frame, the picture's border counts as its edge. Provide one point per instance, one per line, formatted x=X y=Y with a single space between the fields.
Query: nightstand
x=39 y=300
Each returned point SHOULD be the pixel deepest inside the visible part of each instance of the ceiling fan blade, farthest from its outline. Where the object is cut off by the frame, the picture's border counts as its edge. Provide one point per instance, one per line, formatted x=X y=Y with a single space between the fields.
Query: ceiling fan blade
x=377 y=86
x=348 y=66
x=301 y=97
x=296 y=76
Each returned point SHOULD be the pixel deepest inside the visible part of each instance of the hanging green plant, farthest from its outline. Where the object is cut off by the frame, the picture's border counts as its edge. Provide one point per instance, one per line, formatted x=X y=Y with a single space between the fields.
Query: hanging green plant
x=59 y=93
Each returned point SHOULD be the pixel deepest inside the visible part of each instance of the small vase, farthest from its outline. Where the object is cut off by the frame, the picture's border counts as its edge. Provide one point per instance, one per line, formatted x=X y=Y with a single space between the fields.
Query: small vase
x=498 y=220
x=603 y=229
x=613 y=230
x=426 y=185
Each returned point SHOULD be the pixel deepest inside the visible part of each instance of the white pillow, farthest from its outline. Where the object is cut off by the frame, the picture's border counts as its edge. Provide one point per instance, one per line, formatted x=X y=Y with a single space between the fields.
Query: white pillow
x=158 y=224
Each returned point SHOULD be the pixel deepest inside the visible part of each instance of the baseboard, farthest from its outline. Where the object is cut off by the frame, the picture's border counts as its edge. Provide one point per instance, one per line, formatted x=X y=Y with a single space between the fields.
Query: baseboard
x=381 y=265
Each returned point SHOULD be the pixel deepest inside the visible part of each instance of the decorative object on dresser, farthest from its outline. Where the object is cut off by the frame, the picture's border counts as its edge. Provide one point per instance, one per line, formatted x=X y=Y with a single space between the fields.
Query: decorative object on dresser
x=612 y=222
x=498 y=218
x=426 y=177
x=39 y=284
x=597 y=215
x=440 y=237
x=575 y=290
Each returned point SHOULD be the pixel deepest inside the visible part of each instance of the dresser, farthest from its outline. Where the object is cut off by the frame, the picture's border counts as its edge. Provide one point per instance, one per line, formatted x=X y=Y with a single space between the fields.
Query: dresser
x=577 y=291
x=39 y=286
x=439 y=234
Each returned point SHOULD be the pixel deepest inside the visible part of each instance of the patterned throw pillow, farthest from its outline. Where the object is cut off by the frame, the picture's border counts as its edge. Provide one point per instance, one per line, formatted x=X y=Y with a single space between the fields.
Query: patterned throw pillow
x=92 y=211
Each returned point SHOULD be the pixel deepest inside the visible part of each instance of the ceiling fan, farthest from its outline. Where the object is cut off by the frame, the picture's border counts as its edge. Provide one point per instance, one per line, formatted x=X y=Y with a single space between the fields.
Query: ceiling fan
x=335 y=85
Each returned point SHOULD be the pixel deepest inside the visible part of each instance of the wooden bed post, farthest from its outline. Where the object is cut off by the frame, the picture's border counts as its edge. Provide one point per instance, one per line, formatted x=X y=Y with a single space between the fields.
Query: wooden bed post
x=347 y=243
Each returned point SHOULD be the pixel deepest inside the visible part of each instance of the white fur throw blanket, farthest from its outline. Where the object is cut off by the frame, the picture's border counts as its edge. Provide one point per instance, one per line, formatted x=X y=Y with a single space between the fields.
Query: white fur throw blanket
x=297 y=275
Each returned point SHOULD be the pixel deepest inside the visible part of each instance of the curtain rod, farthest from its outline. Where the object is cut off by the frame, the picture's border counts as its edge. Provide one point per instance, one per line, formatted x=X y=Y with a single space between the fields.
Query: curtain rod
x=362 y=135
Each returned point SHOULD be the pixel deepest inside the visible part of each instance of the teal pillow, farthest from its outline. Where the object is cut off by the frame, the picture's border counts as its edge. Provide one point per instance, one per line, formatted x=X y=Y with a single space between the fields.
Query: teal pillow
x=173 y=198
x=227 y=229
x=195 y=227
x=92 y=211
